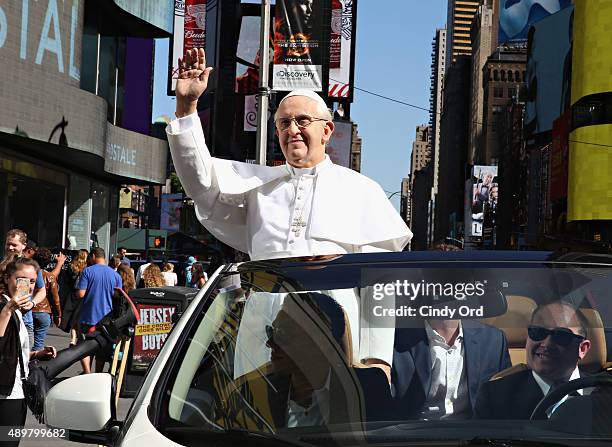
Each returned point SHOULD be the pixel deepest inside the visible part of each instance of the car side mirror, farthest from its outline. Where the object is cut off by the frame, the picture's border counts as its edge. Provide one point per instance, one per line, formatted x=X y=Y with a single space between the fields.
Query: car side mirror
x=85 y=406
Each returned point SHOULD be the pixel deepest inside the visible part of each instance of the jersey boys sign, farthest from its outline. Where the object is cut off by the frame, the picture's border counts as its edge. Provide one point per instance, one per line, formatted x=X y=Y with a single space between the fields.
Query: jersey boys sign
x=151 y=333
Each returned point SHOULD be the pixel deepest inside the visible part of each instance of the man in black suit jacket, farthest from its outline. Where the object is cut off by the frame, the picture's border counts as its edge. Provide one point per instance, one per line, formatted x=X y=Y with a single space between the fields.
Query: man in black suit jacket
x=485 y=353
x=556 y=342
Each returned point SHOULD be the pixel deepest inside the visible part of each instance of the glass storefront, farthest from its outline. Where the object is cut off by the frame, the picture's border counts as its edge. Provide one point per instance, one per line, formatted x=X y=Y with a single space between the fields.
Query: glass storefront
x=32 y=198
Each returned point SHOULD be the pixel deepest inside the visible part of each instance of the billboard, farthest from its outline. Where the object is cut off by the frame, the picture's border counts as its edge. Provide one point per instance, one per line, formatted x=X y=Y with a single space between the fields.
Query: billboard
x=189 y=33
x=517 y=16
x=559 y=156
x=590 y=162
x=298 y=41
x=339 y=147
x=341 y=49
x=485 y=195
x=171 y=206
x=549 y=62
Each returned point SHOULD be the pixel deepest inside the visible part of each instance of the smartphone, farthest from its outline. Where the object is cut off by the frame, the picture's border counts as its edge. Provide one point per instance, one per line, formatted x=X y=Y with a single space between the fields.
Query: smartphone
x=23 y=287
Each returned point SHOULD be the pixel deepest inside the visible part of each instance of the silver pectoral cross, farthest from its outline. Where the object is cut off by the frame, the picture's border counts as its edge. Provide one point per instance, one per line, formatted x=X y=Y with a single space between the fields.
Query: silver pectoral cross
x=297 y=226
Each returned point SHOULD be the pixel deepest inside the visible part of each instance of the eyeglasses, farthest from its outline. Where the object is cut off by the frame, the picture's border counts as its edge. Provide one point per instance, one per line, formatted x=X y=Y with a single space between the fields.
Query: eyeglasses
x=562 y=337
x=302 y=121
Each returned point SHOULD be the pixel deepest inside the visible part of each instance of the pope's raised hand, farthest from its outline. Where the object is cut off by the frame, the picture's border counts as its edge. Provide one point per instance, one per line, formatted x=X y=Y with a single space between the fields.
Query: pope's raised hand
x=192 y=79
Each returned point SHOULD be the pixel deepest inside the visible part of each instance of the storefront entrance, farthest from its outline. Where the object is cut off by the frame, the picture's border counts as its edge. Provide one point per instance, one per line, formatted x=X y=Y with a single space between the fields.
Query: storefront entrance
x=32 y=198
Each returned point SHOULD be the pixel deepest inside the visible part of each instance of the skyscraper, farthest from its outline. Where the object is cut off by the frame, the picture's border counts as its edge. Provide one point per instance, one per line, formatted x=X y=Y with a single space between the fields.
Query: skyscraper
x=458 y=24
x=438 y=66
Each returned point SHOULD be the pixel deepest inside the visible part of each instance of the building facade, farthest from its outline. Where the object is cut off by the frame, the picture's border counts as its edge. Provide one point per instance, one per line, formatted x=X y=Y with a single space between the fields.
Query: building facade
x=453 y=151
x=421 y=149
x=503 y=78
x=421 y=176
x=484 y=38
x=458 y=24
x=75 y=115
x=438 y=68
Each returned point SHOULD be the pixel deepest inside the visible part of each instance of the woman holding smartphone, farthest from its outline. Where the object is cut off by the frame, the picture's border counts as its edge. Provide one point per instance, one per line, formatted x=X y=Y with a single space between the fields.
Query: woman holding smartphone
x=18 y=277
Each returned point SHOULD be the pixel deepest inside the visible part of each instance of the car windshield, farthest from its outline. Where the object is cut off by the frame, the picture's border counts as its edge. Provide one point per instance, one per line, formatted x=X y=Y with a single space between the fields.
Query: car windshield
x=335 y=350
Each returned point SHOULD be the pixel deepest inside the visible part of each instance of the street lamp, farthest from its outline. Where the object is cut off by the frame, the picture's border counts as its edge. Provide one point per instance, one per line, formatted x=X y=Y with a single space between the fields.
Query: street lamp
x=392 y=194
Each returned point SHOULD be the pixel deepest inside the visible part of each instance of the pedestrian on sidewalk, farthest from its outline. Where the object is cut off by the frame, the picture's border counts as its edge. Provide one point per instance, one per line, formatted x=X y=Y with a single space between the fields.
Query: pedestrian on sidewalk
x=152 y=277
x=127 y=278
x=170 y=278
x=72 y=305
x=48 y=310
x=14 y=340
x=96 y=288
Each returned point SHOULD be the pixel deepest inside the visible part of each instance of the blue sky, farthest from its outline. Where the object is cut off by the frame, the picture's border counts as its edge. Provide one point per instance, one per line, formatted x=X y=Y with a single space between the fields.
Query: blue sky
x=393 y=57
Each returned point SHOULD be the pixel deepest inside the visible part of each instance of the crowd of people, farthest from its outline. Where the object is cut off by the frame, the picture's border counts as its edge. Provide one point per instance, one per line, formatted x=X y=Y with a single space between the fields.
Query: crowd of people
x=76 y=296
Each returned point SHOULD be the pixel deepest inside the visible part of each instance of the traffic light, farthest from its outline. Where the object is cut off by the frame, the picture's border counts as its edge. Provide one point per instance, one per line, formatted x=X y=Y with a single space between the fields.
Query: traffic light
x=159 y=242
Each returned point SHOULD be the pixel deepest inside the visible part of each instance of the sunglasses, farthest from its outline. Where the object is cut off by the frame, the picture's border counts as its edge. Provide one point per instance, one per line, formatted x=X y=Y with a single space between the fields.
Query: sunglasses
x=562 y=337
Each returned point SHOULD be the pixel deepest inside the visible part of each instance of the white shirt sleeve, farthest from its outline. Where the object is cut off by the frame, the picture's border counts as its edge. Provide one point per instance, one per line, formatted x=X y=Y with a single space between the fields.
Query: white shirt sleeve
x=222 y=214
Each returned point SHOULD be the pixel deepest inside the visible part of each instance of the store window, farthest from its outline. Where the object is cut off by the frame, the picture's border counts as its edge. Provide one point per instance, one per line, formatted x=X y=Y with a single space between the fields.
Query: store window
x=32 y=198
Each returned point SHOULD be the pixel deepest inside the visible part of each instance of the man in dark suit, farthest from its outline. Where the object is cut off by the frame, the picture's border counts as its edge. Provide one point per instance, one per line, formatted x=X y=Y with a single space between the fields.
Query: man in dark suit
x=556 y=342
x=437 y=369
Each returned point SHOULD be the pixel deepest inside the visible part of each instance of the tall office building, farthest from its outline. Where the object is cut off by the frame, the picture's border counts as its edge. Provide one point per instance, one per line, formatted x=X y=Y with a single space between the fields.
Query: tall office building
x=438 y=66
x=484 y=42
x=421 y=149
x=420 y=187
x=438 y=63
x=458 y=23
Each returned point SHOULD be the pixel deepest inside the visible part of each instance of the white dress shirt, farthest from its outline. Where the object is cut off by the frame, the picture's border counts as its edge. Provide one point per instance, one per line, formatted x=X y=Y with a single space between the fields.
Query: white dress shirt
x=448 y=394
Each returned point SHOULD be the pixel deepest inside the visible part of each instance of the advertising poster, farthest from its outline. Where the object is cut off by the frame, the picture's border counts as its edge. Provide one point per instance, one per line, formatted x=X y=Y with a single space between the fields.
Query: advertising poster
x=589 y=179
x=171 y=206
x=339 y=147
x=559 y=156
x=549 y=71
x=485 y=195
x=189 y=32
x=151 y=333
x=340 y=54
x=517 y=16
x=298 y=39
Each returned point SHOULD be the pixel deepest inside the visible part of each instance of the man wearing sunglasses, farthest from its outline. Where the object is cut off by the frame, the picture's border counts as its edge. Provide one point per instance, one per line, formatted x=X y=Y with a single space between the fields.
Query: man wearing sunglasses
x=307 y=207
x=556 y=342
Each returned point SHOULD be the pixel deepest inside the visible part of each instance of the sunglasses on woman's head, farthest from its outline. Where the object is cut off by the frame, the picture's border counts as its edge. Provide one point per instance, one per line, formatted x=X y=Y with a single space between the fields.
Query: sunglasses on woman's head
x=561 y=336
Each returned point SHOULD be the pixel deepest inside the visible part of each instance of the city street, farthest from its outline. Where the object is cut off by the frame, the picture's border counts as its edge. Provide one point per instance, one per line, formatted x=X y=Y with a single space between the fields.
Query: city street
x=314 y=222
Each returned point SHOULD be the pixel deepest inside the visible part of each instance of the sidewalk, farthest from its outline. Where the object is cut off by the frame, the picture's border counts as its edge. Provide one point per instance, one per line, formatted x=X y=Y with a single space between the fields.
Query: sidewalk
x=60 y=340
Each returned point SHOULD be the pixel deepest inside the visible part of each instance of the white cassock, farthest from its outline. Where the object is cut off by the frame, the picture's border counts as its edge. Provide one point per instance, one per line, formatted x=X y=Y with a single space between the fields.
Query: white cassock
x=282 y=211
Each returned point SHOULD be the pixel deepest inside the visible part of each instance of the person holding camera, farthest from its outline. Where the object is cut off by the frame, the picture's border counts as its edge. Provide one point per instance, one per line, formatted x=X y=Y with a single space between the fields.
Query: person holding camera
x=18 y=278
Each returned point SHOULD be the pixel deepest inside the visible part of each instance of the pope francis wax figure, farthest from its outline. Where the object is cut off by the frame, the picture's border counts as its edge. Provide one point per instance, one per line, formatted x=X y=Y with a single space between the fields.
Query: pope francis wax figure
x=307 y=207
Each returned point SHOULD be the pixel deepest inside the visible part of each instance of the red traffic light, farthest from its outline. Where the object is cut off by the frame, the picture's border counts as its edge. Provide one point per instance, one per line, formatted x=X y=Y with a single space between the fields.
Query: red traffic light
x=159 y=242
